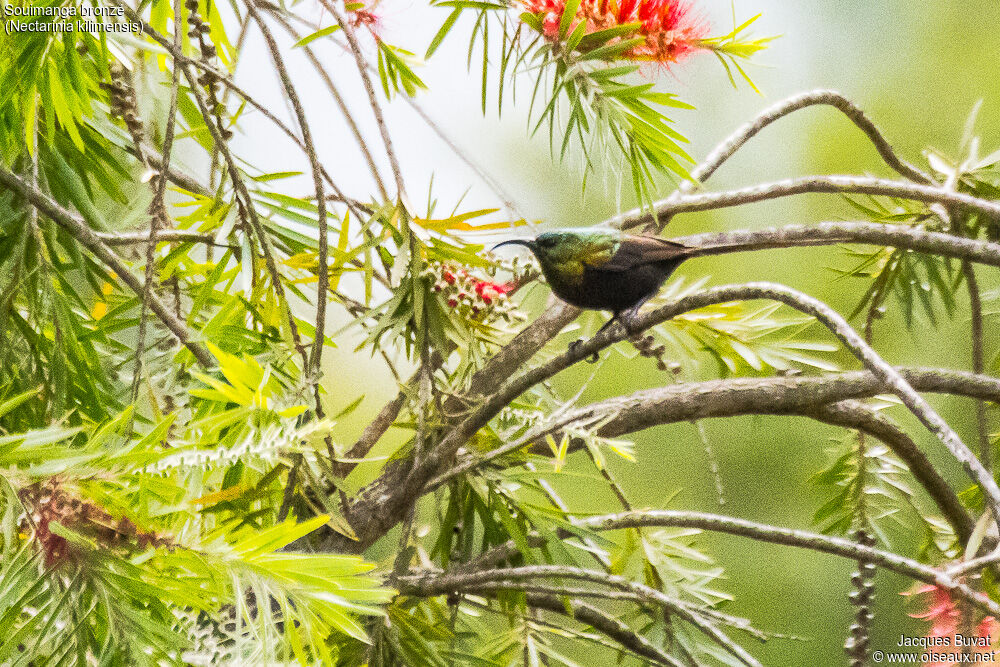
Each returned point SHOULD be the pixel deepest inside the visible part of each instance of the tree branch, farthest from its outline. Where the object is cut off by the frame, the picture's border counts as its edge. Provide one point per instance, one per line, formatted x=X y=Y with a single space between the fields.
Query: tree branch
x=380 y=504
x=323 y=272
x=278 y=16
x=808 y=184
x=830 y=233
x=352 y=40
x=823 y=398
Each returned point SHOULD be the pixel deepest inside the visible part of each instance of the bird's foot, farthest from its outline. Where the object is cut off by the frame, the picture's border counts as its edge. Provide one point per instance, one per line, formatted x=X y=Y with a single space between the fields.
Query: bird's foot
x=592 y=359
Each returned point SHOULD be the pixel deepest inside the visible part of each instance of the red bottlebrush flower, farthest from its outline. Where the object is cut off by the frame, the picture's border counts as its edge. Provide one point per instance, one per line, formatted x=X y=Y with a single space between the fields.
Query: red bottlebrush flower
x=365 y=17
x=452 y=302
x=946 y=619
x=671 y=27
x=449 y=277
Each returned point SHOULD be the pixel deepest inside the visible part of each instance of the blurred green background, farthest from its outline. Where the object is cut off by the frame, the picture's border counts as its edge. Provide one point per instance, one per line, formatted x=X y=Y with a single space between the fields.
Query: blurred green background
x=917 y=69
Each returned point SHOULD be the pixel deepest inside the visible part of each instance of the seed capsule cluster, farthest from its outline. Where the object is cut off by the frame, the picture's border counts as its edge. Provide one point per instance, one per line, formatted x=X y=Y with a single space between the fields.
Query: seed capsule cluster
x=45 y=503
x=199 y=31
x=645 y=346
x=863 y=580
x=477 y=298
x=123 y=103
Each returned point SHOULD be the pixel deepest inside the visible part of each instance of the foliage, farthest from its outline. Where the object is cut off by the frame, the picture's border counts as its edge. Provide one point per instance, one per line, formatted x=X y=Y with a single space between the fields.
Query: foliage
x=159 y=508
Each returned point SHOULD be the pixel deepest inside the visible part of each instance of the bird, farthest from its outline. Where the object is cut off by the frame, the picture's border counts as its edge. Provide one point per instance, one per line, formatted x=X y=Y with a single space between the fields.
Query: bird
x=604 y=269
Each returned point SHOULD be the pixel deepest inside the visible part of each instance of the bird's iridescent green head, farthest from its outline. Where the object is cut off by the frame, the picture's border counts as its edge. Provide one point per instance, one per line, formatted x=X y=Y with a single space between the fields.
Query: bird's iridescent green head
x=563 y=253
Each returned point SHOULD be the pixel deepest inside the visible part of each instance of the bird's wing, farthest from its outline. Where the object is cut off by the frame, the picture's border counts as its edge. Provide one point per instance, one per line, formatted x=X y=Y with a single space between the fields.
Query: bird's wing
x=637 y=250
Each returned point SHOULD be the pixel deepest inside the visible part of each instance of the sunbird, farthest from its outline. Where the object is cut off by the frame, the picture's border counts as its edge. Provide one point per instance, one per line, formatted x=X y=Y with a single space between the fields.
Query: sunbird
x=604 y=269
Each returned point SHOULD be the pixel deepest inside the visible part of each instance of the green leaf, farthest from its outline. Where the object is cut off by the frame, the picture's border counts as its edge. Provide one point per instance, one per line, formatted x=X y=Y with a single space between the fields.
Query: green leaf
x=329 y=30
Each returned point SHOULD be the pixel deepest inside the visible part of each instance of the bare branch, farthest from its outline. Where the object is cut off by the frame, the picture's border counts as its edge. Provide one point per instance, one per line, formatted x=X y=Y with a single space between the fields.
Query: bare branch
x=858 y=416
x=829 y=233
x=976 y=333
x=837 y=546
x=823 y=398
x=323 y=283
x=157 y=208
x=808 y=184
x=384 y=499
x=161 y=236
x=242 y=193
x=745 y=133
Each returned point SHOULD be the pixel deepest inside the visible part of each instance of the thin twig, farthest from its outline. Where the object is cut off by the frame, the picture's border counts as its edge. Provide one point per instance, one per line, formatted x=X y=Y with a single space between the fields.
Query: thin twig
x=728 y=147
x=323 y=284
x=743 y=134
x=157 y=207
x=337 y=98
x=242 y=193
x=837 y=546
x=605 y=623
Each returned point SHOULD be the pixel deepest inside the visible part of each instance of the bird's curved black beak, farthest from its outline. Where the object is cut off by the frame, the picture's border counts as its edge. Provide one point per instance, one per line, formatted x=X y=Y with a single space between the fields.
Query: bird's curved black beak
x=527 y=243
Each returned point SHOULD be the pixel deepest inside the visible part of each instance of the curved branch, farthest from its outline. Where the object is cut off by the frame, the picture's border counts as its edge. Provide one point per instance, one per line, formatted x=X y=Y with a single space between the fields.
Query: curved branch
x=315 y=359
x=803 y=539
x=772 y=395
x=352 y=40
x=746 y=132
x=513 y=387
x=858 y=416
x=822 y=398
x=706 y=201
x=335 y=94
x=228 y=82
x=379 y=505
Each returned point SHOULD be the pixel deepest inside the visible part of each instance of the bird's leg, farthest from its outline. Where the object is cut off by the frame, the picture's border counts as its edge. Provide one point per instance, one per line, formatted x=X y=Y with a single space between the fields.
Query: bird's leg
x=628 y=319
x=592 y=359
x=644 y=344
